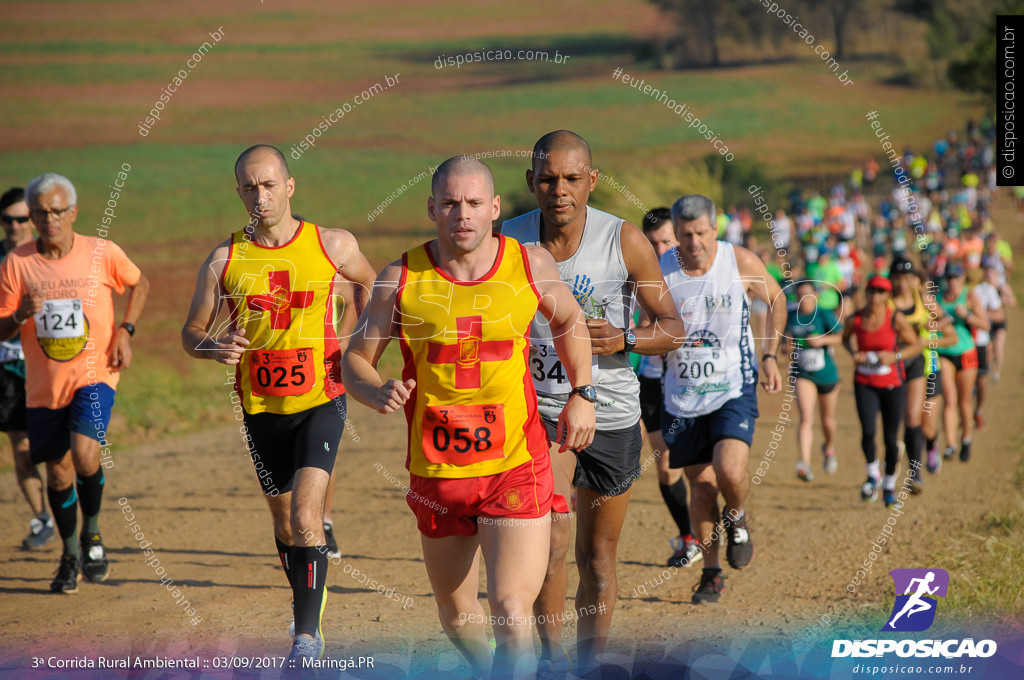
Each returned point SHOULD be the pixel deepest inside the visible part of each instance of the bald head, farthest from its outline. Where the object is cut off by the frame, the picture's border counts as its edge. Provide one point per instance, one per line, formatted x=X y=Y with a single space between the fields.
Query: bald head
x=561 y=140
x=461 y=166
x=260 y=152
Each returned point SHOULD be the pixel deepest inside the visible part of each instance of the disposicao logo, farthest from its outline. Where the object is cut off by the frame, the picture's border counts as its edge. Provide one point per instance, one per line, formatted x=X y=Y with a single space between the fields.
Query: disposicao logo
x=914 y=611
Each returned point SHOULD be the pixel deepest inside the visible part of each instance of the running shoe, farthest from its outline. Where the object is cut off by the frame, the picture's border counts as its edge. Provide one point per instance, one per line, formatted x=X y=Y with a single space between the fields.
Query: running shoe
x=916 y=484
x=869 y=489
x=554 y=669
x=965 y=452
x=68 y=575
x=40 y=533
x=803 y=471
x=934 y=462
x=889 y=497
x=95 y=565
x=995 y=377
x=710 y=588
x=740 y=549
x=687 y=552
x=979 y=421
x=305 y=648
x=831 y=462
x=949 y=452
x=330 y=541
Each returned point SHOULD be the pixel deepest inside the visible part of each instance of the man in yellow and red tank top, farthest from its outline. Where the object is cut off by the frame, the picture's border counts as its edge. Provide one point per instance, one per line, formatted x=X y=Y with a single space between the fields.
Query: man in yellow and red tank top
x=460 y=307
x=278 y=275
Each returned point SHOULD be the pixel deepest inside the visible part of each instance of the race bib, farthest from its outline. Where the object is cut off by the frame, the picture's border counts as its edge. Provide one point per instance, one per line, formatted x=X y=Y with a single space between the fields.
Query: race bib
x=549 y=375
x=281 y=372
x=11 y=351
x=463 y=434
x=701 y=368
x=62 y=329
x=811 y=359
x=878 y=369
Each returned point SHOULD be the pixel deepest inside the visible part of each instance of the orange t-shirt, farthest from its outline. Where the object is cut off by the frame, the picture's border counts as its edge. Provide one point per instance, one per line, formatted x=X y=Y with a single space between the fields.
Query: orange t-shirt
x=66 y=344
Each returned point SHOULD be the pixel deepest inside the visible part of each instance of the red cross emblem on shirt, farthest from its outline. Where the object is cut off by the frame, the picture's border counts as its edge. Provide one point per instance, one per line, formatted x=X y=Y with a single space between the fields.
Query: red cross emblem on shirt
x=280 y=300
x=469 y=351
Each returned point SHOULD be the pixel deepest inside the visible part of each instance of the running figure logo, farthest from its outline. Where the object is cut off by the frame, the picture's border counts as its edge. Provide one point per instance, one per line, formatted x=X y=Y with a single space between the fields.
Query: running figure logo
x=914 y=609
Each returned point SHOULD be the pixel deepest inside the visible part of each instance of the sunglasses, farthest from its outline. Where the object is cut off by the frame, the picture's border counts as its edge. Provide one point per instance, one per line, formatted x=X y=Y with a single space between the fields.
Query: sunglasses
x=875 y=291
x=10 y=220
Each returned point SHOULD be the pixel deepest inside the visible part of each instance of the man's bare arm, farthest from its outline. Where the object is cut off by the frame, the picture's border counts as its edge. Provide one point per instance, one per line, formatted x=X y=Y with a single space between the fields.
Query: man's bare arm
x=359 y=363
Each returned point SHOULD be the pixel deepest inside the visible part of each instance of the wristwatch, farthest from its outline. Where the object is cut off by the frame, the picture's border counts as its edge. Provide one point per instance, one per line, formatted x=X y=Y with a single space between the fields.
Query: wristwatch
x=130 y=327
x=629 y=340
x=588 y=392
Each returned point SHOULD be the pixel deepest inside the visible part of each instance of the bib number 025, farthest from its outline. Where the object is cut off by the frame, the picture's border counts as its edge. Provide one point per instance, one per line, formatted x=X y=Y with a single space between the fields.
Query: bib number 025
x=281 y=372
x=463 y=434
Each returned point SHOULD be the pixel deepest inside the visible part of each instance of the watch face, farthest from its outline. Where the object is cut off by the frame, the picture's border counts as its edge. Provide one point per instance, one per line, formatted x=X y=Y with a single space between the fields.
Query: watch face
x=588 y=392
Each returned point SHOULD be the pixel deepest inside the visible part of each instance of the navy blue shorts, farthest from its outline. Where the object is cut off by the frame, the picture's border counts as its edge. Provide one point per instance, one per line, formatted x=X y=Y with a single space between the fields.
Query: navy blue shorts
x=49 y=430
x=691 y=441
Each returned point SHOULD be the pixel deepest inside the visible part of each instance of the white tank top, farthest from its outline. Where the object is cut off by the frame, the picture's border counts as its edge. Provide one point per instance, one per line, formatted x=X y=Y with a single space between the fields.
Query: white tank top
x=717 y=359
x=597 y=275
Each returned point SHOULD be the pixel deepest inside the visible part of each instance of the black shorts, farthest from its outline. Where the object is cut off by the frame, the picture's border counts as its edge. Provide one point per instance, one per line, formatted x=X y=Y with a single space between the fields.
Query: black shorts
x=933 y=385
x=914 y=367
x=651 y=403
x=611 y=464
x=982 y=360
x=12 y=402
x=826 y=388
x=997 y=326
x=965 y=361
x=281 y=443
x=691 y=441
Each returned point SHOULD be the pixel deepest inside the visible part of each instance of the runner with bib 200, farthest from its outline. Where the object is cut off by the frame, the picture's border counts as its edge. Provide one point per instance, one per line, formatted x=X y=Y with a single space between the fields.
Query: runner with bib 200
x=711 y=380
x=605 y=260
x=278 y=275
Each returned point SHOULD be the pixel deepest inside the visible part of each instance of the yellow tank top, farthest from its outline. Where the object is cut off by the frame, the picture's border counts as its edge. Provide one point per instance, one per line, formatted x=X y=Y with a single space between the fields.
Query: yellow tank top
x=473 y=412
x=918 y=319
x=281 y=296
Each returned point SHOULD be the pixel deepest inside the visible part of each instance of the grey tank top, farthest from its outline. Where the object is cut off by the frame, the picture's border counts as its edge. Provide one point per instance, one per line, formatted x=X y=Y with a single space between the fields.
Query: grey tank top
x=597 y=275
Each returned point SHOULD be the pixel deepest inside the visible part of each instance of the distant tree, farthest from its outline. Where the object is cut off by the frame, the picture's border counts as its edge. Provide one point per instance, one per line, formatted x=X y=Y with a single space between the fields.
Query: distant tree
x=704 y=22
x=841 y=11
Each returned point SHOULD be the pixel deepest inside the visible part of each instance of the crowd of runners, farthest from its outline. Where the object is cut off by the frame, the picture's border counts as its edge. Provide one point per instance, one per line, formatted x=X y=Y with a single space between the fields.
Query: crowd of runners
x=529 y=409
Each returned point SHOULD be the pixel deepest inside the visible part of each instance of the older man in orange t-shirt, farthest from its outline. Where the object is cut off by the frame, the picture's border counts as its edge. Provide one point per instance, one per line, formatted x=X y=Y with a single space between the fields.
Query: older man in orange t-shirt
x=57 y=290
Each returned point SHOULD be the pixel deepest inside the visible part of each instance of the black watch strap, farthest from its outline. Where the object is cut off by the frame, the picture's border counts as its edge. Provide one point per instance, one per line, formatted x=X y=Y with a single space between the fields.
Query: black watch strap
x=628 y=340
x=130 y=327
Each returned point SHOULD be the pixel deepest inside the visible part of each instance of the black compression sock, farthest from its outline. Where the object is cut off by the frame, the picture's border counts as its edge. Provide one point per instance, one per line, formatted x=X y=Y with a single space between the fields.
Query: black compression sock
x=913 y=438
x=287 y=555
x=90 y=496
x=675 y=499
x=65 y=516
x=309 y=588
